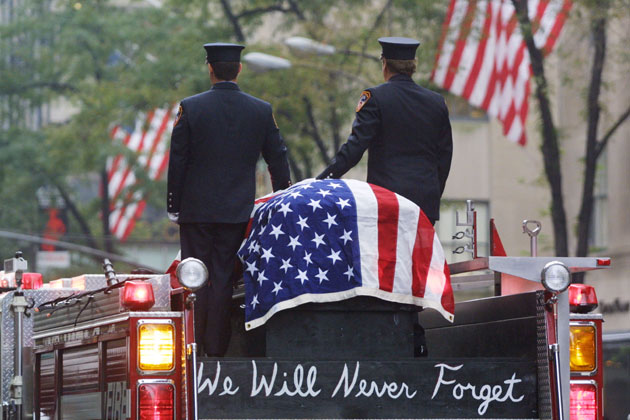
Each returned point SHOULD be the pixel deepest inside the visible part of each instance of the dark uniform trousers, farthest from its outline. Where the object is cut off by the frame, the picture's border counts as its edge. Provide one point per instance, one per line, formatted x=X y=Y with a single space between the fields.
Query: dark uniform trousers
x=215 y=145
x=215 y=244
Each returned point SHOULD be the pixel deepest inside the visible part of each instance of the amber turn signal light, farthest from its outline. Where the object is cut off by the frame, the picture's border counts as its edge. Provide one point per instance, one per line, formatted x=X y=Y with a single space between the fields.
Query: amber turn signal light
x=582 y=348
x=156 y=347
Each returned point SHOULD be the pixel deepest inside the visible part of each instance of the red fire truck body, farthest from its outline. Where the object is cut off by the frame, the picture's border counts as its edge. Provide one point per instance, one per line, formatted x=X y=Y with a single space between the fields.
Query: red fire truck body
x=85 y=374
x=95 y=350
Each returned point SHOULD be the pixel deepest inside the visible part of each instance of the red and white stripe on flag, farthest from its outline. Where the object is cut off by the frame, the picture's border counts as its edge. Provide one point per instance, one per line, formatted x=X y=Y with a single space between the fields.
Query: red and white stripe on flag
x=483 y=58
x=127 y=201
x=401 y=254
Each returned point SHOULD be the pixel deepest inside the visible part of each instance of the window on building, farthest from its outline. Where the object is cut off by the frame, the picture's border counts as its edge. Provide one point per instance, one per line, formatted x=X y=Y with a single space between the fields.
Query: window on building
x=447 y=227
x=598 y=235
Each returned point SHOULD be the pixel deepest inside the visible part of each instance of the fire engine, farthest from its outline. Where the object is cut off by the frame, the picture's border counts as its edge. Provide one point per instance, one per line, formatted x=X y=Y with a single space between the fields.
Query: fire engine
x=113 y=346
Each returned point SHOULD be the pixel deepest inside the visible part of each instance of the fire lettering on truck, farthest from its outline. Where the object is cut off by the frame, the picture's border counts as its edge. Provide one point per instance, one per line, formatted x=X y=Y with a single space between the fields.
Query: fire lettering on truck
x=486 y=394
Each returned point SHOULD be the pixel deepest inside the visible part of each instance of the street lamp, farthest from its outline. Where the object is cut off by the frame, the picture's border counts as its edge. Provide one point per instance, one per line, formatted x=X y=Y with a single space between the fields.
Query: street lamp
x=261 y=62
x=305 y=45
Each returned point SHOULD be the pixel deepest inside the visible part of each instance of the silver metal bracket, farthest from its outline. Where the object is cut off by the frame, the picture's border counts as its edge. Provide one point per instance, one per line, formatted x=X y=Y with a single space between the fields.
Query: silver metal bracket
x=19 y=303
x=190 y=300
x=533 y=235
x=16 y=390
x=470 y=215
x=470 y=232
x=191 y=350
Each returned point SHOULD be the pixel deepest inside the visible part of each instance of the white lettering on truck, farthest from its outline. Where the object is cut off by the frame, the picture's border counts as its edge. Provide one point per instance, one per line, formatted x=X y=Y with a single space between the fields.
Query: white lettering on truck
x=486 y=394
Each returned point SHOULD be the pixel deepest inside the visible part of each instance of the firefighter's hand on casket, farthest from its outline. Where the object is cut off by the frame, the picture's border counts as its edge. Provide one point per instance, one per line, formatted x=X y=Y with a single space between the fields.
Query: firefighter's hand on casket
x=334 y=170
x=326 y=173
x=173 y=217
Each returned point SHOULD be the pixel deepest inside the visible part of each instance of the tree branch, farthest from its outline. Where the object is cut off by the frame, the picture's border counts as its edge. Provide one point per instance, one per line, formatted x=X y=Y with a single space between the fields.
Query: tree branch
x=360 y=54
x=95 y=58
x=601 y=145
x=306 y=160
x=234 y=18
x=314 y=132
x=549 y=147
x=334 y=123
x=375 y=25
x=598 y=33
x=77 y=215
x=262 y=10
x=238 y=31
x=294 y=6
x=295 y=169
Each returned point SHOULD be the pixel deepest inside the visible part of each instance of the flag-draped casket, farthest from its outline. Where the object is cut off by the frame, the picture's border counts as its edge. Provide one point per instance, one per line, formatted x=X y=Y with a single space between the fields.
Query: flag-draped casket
x=330 y=240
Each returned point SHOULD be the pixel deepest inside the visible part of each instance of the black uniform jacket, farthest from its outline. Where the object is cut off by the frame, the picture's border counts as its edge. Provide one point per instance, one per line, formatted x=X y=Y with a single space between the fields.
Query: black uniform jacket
x=215 y=145
x=408 y=133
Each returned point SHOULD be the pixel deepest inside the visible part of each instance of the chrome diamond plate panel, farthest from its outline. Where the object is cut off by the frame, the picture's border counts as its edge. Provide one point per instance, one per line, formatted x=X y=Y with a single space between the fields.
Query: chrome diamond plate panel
x=99 y=305
x=7 y=342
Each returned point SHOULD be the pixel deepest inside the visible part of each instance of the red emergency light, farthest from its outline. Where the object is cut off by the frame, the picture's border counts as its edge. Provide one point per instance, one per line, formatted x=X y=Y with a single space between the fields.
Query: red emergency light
x=583 y=401
x=156 y=401
x=582 y=298
x=32 y=281
x=603 y=262
x=137 y=295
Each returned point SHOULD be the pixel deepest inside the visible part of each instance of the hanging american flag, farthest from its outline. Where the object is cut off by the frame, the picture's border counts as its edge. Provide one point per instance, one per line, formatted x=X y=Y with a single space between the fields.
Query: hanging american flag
x=483 y=58
x=331 y=240
x=127 y=202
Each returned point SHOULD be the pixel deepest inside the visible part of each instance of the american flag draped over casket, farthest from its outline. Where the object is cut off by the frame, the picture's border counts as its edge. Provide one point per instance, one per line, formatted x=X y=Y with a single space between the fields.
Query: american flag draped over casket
x=330 y=240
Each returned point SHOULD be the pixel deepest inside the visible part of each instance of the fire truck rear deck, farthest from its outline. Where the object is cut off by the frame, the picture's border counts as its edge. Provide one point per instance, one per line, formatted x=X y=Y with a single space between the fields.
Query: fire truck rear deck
x=103 y=347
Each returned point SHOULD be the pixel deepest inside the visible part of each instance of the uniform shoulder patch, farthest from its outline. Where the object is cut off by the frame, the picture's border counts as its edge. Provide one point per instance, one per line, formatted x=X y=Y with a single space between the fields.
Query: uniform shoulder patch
x=180 y=111
x=365 y=96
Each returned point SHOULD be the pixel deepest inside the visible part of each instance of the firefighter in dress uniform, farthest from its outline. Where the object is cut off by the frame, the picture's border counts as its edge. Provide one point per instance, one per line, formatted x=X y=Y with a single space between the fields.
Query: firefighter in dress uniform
x=217 y=139
x=406 y=129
